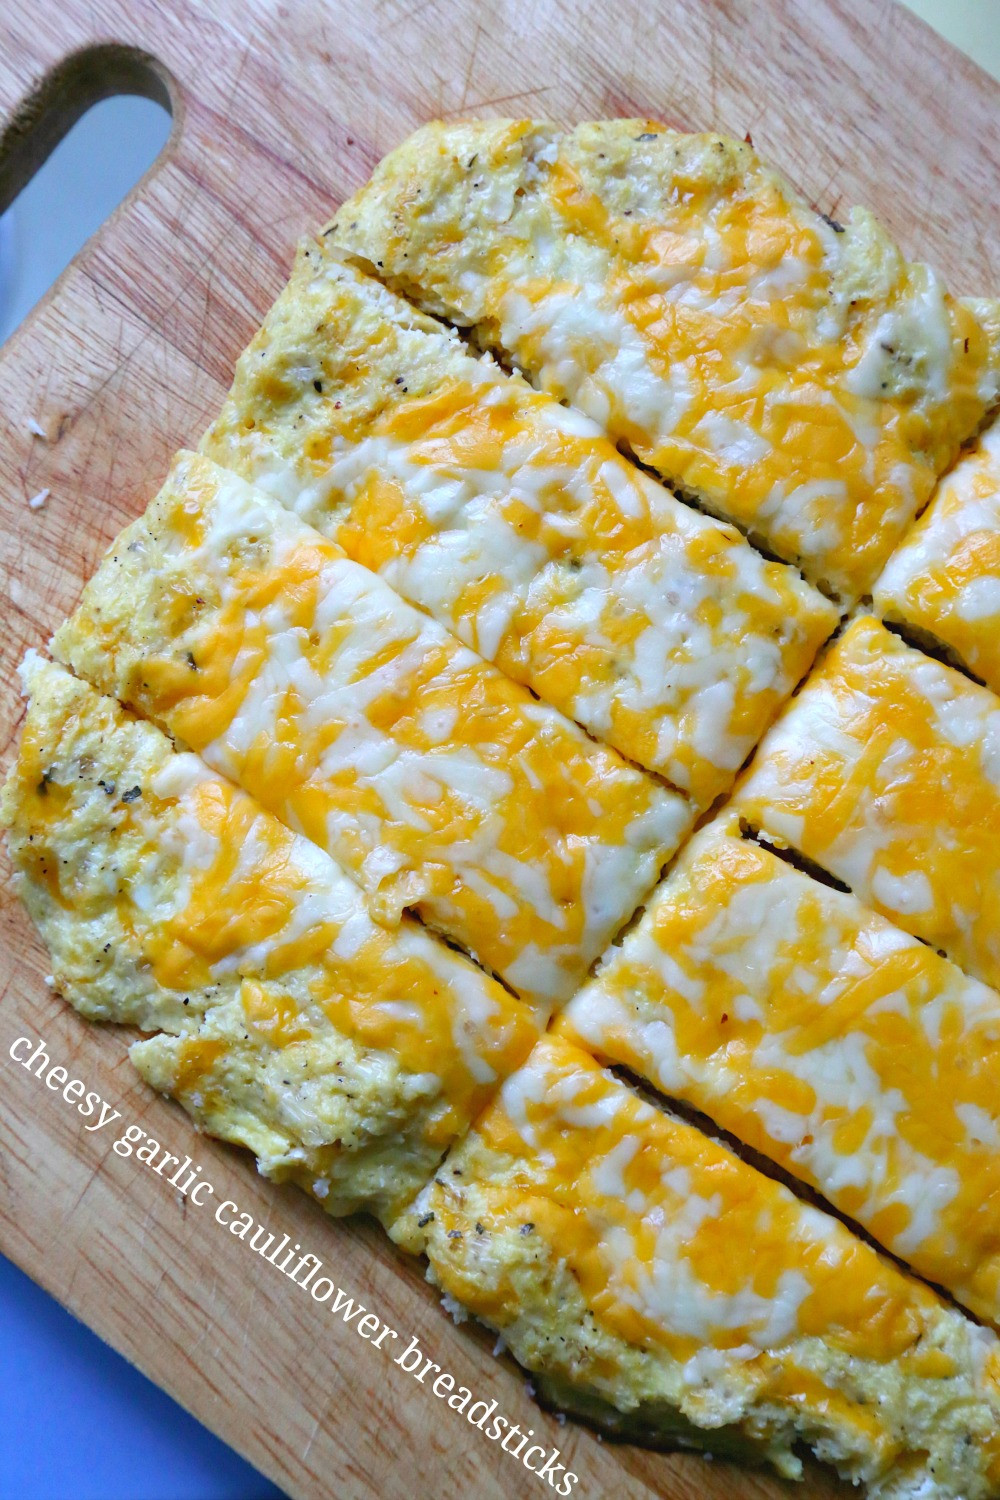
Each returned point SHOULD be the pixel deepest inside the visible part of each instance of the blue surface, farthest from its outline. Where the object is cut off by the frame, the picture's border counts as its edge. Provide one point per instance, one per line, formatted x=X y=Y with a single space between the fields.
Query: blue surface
x=70 y=196
x=80 y=1423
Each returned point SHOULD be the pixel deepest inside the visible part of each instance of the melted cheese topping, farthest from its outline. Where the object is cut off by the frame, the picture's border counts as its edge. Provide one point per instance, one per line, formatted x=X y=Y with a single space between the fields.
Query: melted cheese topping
x=824 y=1038
x=213 y=899
x=634 y=1263
x=672 y=1240
x=945 y=577
x=796 y=376
x=886 y=772
x=517 y=525
x=433 y=780
x=255 y=899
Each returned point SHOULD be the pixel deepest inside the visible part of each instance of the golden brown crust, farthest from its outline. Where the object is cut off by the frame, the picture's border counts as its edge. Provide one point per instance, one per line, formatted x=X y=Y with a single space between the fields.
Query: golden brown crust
x=342 y=349
x=75 y=846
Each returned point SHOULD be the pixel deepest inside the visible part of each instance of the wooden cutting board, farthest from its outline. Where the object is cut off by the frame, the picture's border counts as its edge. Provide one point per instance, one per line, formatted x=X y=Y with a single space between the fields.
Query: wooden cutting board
x=281 y=110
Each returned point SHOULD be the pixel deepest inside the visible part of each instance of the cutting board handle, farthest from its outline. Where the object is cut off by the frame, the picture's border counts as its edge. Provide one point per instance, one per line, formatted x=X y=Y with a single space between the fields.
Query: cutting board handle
x=80 y=80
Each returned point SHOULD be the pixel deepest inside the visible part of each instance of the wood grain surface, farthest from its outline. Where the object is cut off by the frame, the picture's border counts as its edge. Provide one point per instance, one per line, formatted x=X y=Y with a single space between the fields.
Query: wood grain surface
x=280 y=111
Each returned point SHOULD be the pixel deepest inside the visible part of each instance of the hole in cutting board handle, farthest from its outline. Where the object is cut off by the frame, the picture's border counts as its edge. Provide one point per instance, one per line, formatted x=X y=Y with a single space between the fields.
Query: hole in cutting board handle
x=68 y=156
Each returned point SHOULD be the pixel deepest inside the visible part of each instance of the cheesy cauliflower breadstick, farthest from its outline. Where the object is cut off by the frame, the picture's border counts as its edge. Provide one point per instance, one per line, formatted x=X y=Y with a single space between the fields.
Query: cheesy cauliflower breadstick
x=823 y=1037
x=345 y=1056
x=793 y=375
x=943 y=581
x=516 y=524
x=650 y=1279
x=885 y=771
x=433 y=780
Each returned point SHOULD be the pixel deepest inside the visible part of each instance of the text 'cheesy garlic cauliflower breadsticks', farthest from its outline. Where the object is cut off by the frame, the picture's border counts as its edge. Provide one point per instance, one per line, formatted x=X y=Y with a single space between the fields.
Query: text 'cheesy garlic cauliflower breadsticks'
x=432 y=779
x=650 y=1279
x=516 y=524
x=885 y=771
x=825 y=1038
x=793 y=375
x=347 y=1057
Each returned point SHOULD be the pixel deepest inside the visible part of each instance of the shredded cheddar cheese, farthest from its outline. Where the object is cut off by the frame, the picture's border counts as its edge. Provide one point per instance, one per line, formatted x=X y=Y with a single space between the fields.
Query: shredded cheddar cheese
x=432 y=779
x=823 y=1037
x=619 y=1250
x=517 y=525
x=943 y=581
x=794 y=375
x=886 y=772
